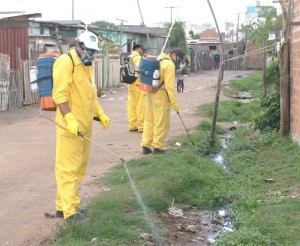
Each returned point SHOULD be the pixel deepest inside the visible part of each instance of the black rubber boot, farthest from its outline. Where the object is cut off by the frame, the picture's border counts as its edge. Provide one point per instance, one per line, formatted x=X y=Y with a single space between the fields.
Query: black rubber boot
x=59 y=214
x=158 y=151
x=146 y=151
x=78 y=217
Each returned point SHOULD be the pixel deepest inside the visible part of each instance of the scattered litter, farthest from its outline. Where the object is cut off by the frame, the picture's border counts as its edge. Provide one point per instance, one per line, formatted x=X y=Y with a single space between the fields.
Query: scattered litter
x=177 y=212
x=94 y=240
x=191 y=228
x=238 y=76
x=269 y=180
x=49 y=215
x=127 y=208
x=106 y=189
x=178 y=144
x=222 y=213
x=243 y=95
x=146 y=237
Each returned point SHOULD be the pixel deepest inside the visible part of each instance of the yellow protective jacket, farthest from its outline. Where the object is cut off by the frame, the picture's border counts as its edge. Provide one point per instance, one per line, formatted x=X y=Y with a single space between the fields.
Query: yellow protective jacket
x=75 y=84
x=167 y=76
x=136 y=58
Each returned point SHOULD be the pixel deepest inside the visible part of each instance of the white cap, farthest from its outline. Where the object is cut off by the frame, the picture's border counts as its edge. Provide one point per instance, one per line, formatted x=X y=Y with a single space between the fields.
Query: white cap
x=89 y=39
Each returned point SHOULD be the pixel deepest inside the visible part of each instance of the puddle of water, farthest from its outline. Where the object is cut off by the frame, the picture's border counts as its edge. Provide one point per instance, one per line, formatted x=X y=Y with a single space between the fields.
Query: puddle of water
x=219 y=157
x=222 y=215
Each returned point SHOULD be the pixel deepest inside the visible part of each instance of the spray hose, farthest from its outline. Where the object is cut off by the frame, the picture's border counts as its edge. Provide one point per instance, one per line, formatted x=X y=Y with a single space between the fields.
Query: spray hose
x=83 y=136
x=185 y=128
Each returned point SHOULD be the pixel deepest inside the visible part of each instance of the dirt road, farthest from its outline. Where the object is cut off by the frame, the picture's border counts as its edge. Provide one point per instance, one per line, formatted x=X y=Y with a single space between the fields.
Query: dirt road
x=27 y=147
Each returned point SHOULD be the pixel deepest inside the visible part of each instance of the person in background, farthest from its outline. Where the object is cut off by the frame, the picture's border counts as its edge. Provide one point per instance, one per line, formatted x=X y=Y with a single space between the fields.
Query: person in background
x=216 y=62
x=157 y=105
x=75 y=95
x=136 y=97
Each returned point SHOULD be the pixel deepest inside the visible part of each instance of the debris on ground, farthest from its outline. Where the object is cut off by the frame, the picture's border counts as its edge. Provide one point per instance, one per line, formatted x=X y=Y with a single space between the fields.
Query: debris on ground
x=49 y=215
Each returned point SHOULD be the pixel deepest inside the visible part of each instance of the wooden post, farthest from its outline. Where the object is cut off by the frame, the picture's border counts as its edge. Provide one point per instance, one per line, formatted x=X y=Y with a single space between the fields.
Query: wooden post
x=57 y=40
x=220 y=78
x=285 y=71
x=264 y=71
x=20 y=78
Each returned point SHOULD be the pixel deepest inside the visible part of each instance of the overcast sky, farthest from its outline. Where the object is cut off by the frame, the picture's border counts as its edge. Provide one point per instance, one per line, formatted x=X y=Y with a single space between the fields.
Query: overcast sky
x=153 y=11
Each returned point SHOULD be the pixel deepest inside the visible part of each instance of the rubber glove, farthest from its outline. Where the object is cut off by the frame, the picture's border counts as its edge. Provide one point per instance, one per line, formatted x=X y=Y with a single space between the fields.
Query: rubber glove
x=104 y=120
x=175 y=106
x=72 y=123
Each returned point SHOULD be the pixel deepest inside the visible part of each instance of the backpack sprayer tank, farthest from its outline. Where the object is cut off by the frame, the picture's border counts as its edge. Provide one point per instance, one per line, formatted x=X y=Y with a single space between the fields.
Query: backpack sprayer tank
x=44 y=80
x=149 y=75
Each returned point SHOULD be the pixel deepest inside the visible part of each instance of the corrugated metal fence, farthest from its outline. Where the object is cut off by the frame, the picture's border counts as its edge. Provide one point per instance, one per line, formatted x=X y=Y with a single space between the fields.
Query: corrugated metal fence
x=10 y=89
x=15 y=85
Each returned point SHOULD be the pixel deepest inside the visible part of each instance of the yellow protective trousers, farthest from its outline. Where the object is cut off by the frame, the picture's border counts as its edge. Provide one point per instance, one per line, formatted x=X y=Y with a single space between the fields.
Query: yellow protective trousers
x=71 y=162
x=157 y=119
x=136 y=106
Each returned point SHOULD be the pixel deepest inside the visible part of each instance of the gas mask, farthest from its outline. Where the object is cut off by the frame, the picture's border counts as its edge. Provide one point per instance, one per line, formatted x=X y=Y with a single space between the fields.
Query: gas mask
x=87 y=57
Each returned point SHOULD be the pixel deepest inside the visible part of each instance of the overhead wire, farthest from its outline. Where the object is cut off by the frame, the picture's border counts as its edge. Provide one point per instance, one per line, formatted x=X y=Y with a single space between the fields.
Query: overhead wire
x=255 y=52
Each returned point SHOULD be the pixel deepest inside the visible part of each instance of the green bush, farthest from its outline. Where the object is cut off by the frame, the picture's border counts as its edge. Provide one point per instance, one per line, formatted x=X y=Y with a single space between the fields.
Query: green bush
x=273 y=73
x=269 y=117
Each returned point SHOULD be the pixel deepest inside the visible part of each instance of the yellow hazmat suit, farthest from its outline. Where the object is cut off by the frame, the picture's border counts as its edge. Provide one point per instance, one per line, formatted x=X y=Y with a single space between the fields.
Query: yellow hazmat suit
x=136 y=100
x=157 y=106
x=73 y=84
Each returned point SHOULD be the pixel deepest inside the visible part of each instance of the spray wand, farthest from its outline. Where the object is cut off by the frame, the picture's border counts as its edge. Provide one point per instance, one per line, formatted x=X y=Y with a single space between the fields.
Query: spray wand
x=83 y=136
x=185 y=128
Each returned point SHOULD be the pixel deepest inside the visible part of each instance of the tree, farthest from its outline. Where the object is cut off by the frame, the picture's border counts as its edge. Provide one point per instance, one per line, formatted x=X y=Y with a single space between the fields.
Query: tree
x=258 y=31
x=177 y=37
x=105 y=24
x=191 y=33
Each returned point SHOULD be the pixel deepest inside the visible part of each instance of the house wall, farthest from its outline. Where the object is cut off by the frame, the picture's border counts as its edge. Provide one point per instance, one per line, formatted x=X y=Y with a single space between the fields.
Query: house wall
x=295 y=74
x=13 y=35
x=253 y=61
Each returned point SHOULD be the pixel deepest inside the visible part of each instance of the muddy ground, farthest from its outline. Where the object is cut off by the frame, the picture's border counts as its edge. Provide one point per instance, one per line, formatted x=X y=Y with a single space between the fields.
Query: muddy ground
x=27 y=146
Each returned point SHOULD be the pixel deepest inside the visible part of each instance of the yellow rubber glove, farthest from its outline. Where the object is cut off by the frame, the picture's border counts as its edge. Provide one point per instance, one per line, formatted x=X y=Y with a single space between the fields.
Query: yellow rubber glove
x=104 y=120
x=72 y=123
x=175 y=106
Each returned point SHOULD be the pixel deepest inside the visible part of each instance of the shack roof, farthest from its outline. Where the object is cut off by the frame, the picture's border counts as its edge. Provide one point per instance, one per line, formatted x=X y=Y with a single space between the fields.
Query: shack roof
x=12 y=14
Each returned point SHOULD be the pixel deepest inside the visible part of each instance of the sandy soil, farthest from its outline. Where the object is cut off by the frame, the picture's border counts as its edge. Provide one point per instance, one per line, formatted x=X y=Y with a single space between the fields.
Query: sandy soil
x=27 y=181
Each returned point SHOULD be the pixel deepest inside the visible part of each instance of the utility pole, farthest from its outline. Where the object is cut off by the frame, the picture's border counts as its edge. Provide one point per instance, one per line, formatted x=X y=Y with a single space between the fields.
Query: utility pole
x=237 y=27
x=72 y=9
x=171 y=7
x=121 y=34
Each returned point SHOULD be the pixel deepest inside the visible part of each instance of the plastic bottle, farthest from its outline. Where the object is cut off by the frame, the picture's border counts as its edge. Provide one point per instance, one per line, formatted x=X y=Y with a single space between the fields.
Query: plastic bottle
x=155 y=80
x=137 y=69
x=33 y=77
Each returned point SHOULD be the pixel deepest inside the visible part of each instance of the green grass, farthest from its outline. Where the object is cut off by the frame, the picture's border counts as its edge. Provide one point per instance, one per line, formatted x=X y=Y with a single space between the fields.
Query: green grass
x=263 y=213
x=252 y=83
x=182 y=174
x=266 y=214
x=236 y=110
x=230 y=111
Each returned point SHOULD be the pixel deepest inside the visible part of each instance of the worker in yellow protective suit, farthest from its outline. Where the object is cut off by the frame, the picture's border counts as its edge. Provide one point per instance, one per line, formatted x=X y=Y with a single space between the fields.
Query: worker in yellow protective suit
x=136 y=97
x=74 y=92
x=158 y=104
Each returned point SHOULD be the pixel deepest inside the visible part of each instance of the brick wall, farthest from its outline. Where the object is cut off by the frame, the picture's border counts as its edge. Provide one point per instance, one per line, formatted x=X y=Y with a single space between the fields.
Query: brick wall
x=253 y=61
x=295 y=74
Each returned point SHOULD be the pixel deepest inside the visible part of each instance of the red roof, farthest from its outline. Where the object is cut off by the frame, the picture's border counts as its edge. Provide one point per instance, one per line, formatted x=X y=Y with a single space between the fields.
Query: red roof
x=209 y=34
